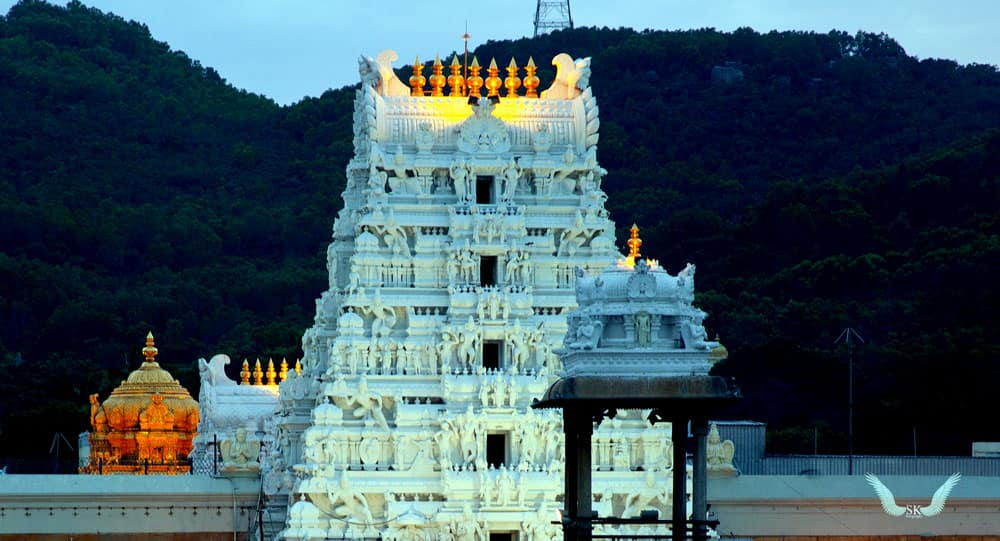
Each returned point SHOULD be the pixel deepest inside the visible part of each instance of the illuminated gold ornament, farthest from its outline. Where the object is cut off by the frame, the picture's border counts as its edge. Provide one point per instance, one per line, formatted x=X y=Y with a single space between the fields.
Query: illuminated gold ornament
x=417 y=80
x=150 y=351
x=455 y=80
x=530 y=80
x=245 y=373
x=493 y=82
x=298 y=367
x=512 y=82
x=145 y=426
x=258 y=374
x=283 y=372
x=271 y=374
x=633 y=243
x=438 y=79
x=474 y=81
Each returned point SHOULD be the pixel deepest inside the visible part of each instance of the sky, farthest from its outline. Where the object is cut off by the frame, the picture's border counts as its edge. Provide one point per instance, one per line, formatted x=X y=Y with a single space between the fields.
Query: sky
x=289 y=49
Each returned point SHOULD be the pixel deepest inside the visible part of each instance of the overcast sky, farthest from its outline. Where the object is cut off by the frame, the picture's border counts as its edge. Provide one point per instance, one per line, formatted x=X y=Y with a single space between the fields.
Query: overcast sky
x=287 y=49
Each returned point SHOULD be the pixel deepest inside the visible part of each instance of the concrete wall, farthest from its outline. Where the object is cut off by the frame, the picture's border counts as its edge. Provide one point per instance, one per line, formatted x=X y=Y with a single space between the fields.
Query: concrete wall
x=86 y=506
x=782 y=506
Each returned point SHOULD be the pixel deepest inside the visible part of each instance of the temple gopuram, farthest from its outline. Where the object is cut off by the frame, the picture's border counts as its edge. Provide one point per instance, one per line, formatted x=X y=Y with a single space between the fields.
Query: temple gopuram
x=145 y=426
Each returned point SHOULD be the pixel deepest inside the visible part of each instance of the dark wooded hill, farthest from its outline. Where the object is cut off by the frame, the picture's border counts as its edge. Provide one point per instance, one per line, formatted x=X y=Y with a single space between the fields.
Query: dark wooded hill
x=819 y=181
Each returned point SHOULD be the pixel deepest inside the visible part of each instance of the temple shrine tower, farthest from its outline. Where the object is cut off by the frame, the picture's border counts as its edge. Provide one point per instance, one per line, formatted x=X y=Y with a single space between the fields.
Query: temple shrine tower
x=473 y=212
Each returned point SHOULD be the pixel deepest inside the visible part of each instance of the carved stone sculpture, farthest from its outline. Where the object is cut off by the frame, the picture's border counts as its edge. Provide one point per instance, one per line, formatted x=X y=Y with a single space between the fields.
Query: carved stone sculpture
x=720 y=453
x=646 y=496
x=349 y=503
x=239 y=454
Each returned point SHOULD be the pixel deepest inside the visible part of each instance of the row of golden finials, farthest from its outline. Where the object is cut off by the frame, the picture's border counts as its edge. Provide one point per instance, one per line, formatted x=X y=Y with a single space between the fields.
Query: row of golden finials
x=472 y=85
x=273 y=377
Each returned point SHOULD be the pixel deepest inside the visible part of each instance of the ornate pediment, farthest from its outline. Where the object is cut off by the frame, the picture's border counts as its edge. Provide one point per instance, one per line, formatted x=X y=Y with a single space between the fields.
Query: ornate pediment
x=483 y=133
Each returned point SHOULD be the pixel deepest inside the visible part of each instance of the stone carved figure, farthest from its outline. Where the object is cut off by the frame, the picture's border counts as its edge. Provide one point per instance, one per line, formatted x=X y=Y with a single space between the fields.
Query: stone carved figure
x=471 y=436
x=447 y=442
x=468 y=351
x=506 y=489
x=720 y=453
x=239 y=454
x=467 y=528
x=424 y=138
x=384 y=317
x=695 y=337
x=643 y=328
x=366 y=404
x=541 y=140
x=511 y=175
x=468 y=264
x=446 y=349
x=585 y=334
x=482 y=133
x=349 y=503
x=519 y=350
x=646 y=496
x=685 y=278
x=462 y=178
x=573 y=237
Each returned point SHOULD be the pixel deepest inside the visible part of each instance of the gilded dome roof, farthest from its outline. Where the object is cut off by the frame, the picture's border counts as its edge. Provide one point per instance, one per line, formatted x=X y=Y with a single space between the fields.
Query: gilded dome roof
x=149 y=401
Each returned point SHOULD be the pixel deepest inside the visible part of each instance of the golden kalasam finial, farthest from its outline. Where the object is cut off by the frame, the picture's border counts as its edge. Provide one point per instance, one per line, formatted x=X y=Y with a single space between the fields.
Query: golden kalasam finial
x=272 y=376
x=417 y=81
x=493 y=81
x=455 y=80
x=512 y=82
x=245 y=373
x=258 y=373
x=530 y=79
x=474 y=81
x=283 y=372
x=298 y=367
x=150 y=351
x=438 y=79
x=634 y=242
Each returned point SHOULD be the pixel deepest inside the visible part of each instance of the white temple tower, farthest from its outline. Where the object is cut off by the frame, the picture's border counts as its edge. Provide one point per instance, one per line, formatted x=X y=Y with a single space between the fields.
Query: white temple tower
x=454 y=259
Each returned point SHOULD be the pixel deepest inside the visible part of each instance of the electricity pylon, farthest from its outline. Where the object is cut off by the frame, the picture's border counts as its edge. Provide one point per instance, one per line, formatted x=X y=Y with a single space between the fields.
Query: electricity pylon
x=552 y=15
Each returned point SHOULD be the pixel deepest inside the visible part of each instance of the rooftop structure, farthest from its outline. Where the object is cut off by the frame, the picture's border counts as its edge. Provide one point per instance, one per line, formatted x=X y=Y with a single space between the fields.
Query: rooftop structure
x=145 y=426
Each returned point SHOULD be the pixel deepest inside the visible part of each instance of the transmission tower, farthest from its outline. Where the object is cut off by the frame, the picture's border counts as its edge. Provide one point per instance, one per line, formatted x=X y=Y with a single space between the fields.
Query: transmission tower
x=552 y=15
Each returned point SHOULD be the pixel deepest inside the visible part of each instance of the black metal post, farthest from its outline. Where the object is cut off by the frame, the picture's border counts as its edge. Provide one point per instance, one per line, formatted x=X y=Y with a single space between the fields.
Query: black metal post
x=679 y=519
x=215 y=454
x=699 y=493
x=579 y=428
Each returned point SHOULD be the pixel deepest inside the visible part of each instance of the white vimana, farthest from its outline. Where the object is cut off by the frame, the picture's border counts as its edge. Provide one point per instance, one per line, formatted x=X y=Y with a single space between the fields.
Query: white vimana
x=453 y=265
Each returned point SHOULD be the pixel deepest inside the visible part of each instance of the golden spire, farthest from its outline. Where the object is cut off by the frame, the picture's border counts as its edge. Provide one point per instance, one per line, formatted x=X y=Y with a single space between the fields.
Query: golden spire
x=512 y=82
x=283 y=373
x=493 y=82
x=245 y=373
x=437 y=80
x=258 y=374
x=271 y=374
x=150 y=351
x=298 y=367
x=455 y=80
x=474 y=81
x=417 y=81
x=633 y=243
x=530 y=79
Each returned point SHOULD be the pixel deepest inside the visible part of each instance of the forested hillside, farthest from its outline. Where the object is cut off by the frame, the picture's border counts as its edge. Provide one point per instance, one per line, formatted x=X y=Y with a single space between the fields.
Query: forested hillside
x=838 y=182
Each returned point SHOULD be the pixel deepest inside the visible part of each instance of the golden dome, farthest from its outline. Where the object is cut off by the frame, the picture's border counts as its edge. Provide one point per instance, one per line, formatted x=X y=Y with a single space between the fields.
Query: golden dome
x=146 y=425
